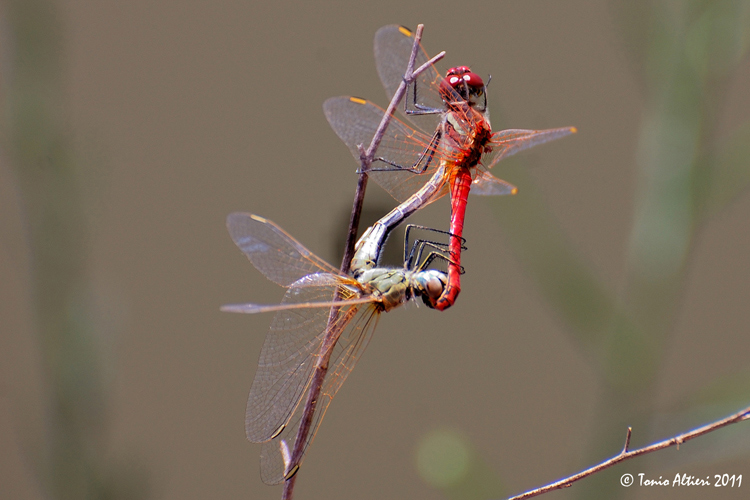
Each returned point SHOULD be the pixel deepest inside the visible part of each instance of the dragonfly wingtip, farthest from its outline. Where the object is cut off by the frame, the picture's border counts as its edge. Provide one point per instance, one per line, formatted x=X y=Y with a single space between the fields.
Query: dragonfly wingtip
x=405 y=31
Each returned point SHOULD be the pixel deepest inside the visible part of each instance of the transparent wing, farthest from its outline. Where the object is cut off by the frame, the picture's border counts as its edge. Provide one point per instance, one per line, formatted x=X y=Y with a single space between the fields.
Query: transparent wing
x=486 y=184
x=251 y=308
x=289 y=352
x=277 y=255
x=355 y=121
x=509 y=142
x=358 y=325
x=393 y=46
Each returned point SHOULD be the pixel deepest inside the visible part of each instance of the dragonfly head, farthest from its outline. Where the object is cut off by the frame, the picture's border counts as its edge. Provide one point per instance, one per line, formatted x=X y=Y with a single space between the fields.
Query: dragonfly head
x=461 y=84
x=430 y=285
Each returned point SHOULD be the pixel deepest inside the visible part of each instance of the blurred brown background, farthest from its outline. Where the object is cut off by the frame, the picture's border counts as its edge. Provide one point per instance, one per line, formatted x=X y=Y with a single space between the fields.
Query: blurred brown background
x=611 y=291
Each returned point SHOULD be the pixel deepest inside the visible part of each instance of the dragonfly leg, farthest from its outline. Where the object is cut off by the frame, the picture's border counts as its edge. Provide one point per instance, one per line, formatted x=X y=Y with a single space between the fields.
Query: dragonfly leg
x=417 y=109
x=484 y=108
x=420 y=166
x=437 y=250
x=394 y=167
x=409 y=228
x=436 y=255
x=413 y=252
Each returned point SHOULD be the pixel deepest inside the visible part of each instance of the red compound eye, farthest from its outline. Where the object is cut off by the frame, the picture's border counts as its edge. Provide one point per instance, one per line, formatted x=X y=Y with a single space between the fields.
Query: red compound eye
x=460 y=74
x=458 y=70
x=458 y=79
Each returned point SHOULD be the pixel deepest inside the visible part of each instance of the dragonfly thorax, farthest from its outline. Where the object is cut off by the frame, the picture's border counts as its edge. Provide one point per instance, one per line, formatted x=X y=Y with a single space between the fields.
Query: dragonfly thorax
x=392 y=285
x=396 y=286
x=468 y=136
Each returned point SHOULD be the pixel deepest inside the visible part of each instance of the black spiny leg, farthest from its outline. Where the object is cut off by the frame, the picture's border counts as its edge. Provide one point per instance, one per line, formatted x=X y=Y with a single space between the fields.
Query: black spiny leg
x=413 y=253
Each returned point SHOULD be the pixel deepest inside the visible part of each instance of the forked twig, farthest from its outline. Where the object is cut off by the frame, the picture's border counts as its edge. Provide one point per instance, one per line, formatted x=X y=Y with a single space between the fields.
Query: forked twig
x=332 y=334
x=625 y=454
x=367 y=155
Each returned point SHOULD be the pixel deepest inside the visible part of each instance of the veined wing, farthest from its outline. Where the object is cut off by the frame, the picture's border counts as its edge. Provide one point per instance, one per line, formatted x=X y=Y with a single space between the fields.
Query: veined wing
x=355 y=121
x=506 y=143
x=251 y=308
x=486 y=184
x=357 y=324
x=291 y=349
x=277 y=255
x=393 y=46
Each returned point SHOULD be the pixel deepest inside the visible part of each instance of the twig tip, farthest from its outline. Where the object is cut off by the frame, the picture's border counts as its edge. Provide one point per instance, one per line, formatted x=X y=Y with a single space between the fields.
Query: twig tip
x=627 y=440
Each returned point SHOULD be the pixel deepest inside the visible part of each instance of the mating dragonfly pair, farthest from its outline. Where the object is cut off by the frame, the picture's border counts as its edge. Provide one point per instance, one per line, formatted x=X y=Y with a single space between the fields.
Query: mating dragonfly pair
x=326 y=318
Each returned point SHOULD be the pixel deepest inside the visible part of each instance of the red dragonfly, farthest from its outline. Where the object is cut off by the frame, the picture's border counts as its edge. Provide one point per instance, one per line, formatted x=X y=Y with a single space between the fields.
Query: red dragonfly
x=417 y=168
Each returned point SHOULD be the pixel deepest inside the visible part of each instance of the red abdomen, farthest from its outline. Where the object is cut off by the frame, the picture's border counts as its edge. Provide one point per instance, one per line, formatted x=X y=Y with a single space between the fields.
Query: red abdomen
x=460 y=184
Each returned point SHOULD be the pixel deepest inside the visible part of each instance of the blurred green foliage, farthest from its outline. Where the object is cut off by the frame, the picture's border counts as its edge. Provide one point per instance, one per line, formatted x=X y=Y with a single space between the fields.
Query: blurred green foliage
x=446 y=460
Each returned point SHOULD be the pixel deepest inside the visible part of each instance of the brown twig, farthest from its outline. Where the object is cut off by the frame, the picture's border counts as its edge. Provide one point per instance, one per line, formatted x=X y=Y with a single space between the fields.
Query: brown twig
x=626 y=454
x=366 y=156
x=332 y=333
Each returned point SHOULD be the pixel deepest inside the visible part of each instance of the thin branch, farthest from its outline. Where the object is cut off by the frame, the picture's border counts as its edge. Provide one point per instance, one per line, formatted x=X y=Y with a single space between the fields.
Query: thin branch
x=367 y=155
x=625 y=454
x=332 y=334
